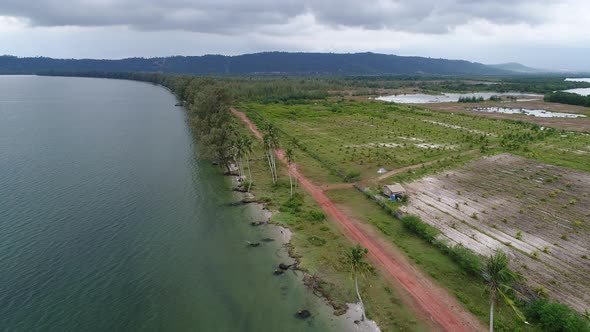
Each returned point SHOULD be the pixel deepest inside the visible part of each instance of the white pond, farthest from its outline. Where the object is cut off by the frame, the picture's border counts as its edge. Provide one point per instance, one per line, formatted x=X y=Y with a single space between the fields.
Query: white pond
x=530 y=112
x=580 y=91
x=446 y=97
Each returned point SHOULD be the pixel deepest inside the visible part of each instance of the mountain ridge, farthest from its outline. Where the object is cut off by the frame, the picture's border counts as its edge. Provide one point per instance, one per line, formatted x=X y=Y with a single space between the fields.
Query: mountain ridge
x=288 y=63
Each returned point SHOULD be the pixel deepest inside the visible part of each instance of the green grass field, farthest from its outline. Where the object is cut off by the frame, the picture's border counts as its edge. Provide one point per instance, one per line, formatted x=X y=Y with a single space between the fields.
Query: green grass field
x=358 y=138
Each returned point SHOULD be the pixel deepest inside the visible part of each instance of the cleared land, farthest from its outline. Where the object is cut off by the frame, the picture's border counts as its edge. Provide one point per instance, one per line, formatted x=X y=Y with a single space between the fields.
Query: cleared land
x=578 y=124
x=358 y=138
x=538 y=213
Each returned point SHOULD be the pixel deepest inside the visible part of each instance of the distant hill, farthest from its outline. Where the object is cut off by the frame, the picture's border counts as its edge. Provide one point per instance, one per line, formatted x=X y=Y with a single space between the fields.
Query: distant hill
x=259 y=63
x=518 y=68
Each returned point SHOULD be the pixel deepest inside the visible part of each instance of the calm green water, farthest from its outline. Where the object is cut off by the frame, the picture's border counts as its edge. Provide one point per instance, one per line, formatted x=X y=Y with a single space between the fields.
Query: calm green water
x=108 y=222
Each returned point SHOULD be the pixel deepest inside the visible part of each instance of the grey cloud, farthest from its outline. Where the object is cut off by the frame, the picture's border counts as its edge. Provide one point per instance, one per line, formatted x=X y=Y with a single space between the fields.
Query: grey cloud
x=237 y=17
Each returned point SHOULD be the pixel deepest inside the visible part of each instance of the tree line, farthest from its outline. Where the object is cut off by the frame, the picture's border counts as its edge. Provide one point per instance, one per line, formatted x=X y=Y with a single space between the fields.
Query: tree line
x=568 y=98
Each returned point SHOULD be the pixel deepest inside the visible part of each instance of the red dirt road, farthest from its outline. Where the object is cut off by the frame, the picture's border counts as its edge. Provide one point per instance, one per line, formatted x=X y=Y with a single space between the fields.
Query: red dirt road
x=430 y=299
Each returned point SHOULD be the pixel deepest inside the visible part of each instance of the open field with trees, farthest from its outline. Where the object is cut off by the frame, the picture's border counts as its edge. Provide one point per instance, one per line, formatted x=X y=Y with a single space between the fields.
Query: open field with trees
x=337 y=137
x=322 y=253
x=535 y=212
x=359 y=138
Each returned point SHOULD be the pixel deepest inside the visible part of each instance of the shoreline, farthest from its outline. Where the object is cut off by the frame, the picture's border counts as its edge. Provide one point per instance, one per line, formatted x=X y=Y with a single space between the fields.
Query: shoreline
x=346 y=317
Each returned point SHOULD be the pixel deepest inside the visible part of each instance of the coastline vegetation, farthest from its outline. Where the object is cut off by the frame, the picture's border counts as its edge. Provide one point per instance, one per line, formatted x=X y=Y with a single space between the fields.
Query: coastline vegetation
x=351 y=139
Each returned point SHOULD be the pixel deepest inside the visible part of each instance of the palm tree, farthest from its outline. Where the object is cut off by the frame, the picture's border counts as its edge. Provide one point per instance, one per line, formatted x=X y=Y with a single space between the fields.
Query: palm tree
x=247 y=148
x=358 y=267
x=266 y=141
x=238 y=150
x=499 y=281
x=290 y=159
x=271 y=143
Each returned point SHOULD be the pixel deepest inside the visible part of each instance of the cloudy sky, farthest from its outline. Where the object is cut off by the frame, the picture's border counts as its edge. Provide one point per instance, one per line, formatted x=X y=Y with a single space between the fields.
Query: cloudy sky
x=542 y=33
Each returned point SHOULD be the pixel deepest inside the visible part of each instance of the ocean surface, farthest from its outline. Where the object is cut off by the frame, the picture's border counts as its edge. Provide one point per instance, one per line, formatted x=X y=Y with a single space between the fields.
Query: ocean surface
x=109 y=222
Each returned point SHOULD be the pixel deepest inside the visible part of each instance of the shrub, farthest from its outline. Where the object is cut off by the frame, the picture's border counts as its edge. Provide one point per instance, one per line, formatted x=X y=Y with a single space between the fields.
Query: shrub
x=556 y=317
x=293 y=205
x=417 y=226
x=316 y=241
x=468 y=260
x=352 y=174
x=317 y=215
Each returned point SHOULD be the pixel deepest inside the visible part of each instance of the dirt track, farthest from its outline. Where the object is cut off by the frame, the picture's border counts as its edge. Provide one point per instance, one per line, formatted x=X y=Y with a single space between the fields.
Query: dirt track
x=430 y=299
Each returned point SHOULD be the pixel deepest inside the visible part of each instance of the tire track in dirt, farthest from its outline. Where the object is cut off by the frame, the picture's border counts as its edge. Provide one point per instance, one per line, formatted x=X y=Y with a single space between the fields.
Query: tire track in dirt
x=432 y=300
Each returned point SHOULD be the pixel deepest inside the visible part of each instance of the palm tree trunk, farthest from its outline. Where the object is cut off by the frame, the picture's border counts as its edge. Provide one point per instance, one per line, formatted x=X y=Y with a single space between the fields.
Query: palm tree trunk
x=291 y=183
x=358 y=294
x=249 y=173
x=492 y=315
x=239 y=161
x=270 y=165
x=274 y=166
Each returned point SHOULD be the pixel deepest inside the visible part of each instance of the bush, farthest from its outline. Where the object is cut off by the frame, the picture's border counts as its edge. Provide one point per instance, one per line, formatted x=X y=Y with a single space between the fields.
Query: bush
x=317 y=215
x=293 y=205
x=316 y=241
x=556 y=317
x=467 y=259
x=352 y=174
x=418 y=227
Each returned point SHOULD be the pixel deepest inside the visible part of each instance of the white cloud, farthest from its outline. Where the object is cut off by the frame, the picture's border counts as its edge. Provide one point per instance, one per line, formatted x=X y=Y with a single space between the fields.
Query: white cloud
x=542 y=33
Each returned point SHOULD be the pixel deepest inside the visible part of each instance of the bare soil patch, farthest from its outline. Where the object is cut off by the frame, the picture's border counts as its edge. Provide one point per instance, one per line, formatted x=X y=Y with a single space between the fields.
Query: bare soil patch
x=539 y=214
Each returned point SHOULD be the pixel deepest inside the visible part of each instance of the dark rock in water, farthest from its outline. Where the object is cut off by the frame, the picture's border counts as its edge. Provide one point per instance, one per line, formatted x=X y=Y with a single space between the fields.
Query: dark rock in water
x=253 y=244
x=278 y=272
x=357 y=321
x=258 y=223
x=284 y=266
x=303 y=314
x=178 y=104
x=215 y=162
x=267 y=239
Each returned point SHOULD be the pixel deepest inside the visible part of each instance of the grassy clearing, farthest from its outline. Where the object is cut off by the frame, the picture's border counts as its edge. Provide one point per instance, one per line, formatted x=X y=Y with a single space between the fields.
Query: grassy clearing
x=469 y=290
x=361 y=137
x=321 y=250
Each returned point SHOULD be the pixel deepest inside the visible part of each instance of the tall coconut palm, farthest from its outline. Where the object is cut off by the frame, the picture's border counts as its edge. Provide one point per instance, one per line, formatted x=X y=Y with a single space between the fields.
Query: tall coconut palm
x=238 y=151
x=499 y=280
x=290 y=159
x=247 y=148
x=271 y=143
x=358 y=266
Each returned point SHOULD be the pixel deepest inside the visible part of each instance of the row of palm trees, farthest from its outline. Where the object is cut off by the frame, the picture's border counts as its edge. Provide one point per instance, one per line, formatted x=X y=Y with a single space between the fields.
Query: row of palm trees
x=242 y=147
